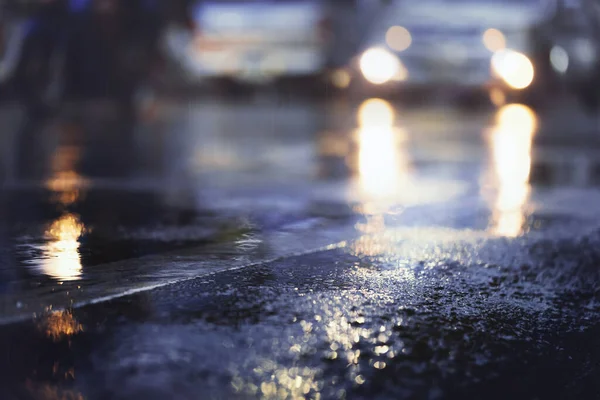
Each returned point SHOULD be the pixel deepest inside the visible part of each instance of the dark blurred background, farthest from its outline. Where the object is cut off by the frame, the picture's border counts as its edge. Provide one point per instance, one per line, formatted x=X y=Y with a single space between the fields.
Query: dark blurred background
x=487 y=50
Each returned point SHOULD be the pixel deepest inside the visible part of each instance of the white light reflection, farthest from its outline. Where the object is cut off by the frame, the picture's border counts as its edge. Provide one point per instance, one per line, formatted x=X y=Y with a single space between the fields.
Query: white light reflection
x=382 y=168
x=61 y=259
x=511 y=140
x=383 y=171
x=379 y=66
x=398 y=38
x=341 y=78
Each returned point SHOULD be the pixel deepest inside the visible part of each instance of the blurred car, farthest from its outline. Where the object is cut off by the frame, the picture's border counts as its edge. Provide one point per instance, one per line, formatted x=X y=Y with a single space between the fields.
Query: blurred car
x=252 y=41
x=465 y=45
x=568 y=47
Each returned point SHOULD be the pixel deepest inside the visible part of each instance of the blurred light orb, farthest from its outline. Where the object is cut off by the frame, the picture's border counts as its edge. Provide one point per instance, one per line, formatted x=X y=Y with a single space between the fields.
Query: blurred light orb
x=379 y=66
x=340 y=79
x=398 y=38
x=497 y=97
x=514 y=68
x=559 y=59
x=494 y=40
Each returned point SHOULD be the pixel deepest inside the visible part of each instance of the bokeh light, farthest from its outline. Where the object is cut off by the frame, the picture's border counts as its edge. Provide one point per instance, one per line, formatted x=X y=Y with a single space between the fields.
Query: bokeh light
x=514 y=68
x=380 y=66
x=494 y=40
x=398 y=38
x=340 y=79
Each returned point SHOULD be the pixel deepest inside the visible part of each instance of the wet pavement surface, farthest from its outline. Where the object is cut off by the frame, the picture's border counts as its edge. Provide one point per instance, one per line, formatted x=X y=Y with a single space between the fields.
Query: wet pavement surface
x=278 y=249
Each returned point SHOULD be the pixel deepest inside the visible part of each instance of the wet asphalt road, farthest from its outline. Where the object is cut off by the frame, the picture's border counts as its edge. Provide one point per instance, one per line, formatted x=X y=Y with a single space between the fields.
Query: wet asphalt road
x=300 y=250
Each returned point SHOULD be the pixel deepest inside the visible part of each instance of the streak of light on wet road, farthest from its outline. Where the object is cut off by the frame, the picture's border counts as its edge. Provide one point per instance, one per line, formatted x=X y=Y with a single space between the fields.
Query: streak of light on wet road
x=511 y=141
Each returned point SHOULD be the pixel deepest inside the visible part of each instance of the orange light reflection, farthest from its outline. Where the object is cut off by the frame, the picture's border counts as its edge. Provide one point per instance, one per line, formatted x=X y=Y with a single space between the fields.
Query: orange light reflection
x=66 y=182
x=58 y=325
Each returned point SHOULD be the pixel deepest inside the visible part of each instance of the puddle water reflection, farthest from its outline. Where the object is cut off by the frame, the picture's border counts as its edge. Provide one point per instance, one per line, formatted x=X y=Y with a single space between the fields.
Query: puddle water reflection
x=61 y=259
x=511 y=140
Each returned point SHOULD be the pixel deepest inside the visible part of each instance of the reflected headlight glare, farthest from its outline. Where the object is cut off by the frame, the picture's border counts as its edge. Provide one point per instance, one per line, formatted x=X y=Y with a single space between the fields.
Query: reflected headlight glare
x=514 y=68
x=379 y=66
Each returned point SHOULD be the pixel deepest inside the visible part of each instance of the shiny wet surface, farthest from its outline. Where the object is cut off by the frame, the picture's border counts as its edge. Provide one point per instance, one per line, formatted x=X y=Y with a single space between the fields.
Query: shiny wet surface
x=279 y=249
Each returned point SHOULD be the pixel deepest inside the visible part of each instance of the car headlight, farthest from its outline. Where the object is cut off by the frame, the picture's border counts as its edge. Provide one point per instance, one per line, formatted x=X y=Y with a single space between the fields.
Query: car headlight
x=379 y=66
x=514 y=68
